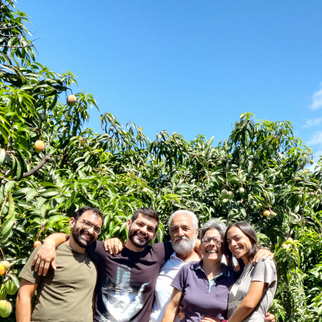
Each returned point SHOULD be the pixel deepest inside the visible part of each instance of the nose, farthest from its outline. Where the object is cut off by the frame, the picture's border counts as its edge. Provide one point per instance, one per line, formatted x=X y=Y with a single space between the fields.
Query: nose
x=232 y=243
x=180 y=232
x=91 y=229
x=143 y=229
x=212 y=242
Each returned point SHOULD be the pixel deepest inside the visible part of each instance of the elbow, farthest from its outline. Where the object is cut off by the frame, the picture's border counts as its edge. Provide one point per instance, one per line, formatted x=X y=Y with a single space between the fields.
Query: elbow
x=249 y=305
x=18 y=298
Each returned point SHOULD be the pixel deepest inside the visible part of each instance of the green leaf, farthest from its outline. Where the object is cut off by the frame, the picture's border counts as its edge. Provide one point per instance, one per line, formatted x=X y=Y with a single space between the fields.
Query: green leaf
x=50 y=193
x=7 y=226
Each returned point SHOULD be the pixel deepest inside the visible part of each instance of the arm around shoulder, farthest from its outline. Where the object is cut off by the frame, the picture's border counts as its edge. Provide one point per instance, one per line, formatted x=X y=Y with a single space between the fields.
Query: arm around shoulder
x=46 y=254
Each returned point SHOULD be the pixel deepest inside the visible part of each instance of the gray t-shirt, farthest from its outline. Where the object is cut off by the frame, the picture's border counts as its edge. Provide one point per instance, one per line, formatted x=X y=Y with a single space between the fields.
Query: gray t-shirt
x=263 y=271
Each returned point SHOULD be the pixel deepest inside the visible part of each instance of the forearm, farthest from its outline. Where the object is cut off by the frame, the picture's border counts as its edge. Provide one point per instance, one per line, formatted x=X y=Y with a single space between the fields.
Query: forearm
x=23 y=308
x=249 y=303
x=170 y=313
x=56 y=239
x=242 y=311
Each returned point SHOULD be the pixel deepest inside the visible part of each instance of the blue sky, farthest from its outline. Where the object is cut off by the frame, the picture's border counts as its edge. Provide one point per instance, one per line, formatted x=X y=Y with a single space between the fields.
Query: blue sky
x=189 y=66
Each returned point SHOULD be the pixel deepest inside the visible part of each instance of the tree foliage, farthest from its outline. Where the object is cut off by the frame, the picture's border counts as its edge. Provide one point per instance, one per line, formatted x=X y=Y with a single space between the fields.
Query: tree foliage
x=261 y=167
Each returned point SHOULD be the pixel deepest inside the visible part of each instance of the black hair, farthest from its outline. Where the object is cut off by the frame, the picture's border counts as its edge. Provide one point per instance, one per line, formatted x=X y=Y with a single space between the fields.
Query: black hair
x=81 y=210
x=148 y=212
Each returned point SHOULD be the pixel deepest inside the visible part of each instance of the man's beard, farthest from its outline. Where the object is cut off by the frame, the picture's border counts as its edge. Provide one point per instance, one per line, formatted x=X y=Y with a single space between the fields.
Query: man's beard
x=77 y=235
x=137 y=243
x=183 y=245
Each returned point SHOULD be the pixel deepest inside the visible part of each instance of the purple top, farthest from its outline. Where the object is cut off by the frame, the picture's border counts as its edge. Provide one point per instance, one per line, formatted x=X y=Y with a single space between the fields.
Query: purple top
x=203 y=298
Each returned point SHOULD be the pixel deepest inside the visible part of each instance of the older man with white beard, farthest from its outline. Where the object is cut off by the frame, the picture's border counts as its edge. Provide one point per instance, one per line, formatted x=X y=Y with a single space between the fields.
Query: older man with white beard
x=183 y=227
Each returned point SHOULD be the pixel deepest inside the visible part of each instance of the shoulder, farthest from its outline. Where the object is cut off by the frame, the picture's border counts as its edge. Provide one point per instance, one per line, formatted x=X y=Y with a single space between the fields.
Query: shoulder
x=228 y=272
x=190 y=268
x=264 y=271
x=162 y=250
x=96 y=248
x=267 y=264
x=161 y=246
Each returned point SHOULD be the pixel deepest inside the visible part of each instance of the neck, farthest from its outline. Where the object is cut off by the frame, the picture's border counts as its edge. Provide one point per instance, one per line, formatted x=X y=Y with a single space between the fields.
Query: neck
x=211 y=269
x=74 y=246
x=188 y=257
x=245 y=260
x=133 y=248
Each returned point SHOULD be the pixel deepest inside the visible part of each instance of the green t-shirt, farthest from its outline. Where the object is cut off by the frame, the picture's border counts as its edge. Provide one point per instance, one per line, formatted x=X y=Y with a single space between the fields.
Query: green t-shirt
x=64 y=295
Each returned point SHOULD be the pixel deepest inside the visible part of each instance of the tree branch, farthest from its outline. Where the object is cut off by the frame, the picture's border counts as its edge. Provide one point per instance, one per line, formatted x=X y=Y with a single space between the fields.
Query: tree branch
x=37 y=167
x=4 y=27
x=3 y=178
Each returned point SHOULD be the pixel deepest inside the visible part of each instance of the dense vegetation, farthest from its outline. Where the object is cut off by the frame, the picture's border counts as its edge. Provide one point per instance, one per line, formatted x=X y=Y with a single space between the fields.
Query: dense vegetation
x=261 y=167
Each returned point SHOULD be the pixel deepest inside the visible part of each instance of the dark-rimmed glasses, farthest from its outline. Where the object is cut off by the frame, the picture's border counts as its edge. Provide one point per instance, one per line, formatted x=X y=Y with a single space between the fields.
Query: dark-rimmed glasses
x=88 y=225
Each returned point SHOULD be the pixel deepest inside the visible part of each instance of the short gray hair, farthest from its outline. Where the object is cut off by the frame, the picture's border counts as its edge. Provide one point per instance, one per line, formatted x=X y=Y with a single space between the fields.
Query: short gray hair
x=213 y=224
x=186 y=212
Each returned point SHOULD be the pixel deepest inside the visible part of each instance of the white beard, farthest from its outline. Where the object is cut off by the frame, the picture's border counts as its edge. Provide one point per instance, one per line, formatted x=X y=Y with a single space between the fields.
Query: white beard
x=183 y=245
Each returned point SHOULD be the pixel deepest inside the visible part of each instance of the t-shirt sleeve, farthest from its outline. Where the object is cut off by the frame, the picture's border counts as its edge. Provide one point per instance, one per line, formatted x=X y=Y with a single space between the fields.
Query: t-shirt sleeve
x=163 y=251
x=179 y=281
x=265 y=271
x=95 y=251
x=28 y=273
x=168 y=250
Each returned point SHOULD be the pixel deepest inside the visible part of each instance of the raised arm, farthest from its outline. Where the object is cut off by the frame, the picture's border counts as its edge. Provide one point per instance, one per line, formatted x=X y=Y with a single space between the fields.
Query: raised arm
x=249 y=303
x=46 y=255
x=172 y=308
x=23 y=301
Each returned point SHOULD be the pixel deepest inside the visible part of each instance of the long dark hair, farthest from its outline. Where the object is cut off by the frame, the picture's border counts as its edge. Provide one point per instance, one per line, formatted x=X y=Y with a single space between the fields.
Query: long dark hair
x=250 y=232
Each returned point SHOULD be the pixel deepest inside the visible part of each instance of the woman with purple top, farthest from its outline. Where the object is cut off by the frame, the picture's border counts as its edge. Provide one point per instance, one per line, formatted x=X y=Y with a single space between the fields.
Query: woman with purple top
x=201 y=289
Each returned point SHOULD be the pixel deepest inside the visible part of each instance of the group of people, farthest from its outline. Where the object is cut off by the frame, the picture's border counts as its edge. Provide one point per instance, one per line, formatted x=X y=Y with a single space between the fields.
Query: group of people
x=223 y=277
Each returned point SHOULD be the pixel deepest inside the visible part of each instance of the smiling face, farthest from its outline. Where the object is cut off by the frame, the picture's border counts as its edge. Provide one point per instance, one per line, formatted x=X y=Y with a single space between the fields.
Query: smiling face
x=141 y=232
x=212 y=251
x=81 y=235
x=183 y=234
x=239 y=243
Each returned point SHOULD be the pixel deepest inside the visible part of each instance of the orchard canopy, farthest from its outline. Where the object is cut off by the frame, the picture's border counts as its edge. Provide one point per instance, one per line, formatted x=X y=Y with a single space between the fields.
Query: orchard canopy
x=259 y=174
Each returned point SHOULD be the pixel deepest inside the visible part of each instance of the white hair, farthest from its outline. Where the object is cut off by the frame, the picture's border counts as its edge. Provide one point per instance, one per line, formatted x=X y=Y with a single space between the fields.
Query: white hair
x=213 y=224
x=186 y=212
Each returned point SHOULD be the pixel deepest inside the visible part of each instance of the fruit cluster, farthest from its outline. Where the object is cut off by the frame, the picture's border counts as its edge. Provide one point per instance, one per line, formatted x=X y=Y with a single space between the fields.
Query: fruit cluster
x=7 y=287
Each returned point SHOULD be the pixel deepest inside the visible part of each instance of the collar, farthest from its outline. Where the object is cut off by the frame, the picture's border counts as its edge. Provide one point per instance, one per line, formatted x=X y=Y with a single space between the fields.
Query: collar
x=224 y=268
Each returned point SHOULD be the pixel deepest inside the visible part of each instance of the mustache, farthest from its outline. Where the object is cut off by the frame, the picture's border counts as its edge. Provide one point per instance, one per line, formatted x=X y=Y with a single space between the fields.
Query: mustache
x=178 y=239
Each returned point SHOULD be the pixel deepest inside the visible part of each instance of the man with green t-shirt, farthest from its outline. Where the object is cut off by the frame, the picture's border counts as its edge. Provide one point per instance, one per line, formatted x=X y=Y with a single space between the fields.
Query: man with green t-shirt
x=64 y=294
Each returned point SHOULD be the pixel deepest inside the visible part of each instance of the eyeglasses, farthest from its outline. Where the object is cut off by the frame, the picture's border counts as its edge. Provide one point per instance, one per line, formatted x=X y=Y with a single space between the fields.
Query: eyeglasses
x=207 y=240
x=88 y=225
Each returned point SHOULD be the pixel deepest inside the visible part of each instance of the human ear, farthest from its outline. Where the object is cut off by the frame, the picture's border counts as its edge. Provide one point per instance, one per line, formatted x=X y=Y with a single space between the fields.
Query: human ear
x=72 y=222
x=128 y=224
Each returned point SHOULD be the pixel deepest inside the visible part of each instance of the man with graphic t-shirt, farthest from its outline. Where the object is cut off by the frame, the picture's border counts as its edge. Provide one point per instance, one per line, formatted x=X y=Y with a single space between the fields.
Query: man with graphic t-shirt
x=126 y=281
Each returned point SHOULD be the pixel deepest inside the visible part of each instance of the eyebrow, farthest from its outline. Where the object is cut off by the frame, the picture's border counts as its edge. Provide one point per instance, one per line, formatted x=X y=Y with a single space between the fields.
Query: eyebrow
x=87 y=221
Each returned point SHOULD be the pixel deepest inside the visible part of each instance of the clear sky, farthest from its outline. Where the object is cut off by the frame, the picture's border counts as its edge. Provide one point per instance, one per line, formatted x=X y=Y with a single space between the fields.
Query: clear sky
x=189 y=66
